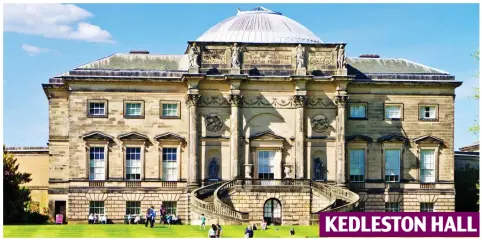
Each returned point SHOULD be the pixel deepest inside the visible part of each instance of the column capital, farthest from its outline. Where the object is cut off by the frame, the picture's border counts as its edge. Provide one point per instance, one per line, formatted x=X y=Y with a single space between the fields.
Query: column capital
x=192 y=99
x=341 y=97
x=300 y=100
x=235 y=99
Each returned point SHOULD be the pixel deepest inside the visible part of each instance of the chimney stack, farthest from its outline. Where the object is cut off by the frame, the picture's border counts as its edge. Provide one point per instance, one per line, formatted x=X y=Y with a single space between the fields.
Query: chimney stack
x=138 y=52
x=369 y=55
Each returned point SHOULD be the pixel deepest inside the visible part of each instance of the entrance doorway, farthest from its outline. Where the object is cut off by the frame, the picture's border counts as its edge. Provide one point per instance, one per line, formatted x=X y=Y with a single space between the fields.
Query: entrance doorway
x=61 y=208
x=272 y=211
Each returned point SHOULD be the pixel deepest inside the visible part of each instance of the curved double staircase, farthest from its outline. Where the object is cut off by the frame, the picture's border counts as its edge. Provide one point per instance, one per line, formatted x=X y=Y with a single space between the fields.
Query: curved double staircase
x=210 y=200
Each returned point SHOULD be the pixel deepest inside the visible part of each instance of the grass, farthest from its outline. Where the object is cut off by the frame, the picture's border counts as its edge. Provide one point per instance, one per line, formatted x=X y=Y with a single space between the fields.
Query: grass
x=139 y=231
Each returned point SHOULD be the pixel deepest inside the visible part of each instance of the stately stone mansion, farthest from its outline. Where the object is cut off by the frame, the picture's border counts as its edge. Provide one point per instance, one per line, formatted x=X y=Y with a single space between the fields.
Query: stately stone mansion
x=259 y=119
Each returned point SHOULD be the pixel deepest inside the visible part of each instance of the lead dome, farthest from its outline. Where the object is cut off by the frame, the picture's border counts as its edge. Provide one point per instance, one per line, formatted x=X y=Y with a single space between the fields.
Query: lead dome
x=259 y=25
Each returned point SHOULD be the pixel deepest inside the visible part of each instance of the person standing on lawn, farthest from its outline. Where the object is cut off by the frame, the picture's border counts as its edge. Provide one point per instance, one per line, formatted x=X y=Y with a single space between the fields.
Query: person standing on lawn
x=153 y=216
x=148 y=216
x=203 y=222
x=162 y=211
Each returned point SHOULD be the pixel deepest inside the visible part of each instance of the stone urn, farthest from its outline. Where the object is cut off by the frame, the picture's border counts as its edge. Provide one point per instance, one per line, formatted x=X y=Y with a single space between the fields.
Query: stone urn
x=248 y=170
x=287 y=170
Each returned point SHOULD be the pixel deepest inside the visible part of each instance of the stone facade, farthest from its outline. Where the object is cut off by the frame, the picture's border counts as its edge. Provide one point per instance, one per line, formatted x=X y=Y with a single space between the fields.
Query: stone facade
x=249 y=111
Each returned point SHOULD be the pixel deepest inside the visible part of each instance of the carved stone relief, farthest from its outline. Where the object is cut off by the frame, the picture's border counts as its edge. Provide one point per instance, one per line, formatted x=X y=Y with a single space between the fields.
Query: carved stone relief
x=268 y=57
x=214 y=56
x=320 y=59
x=214 y=122
x=319 y=123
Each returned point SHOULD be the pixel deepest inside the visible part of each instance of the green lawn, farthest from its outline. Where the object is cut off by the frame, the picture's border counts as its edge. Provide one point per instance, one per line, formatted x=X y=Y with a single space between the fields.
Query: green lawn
x=139 y=231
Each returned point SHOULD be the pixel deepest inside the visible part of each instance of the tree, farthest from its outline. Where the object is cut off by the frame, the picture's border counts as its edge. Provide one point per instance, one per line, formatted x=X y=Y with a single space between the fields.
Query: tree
x=475 y=128
x=15 y=197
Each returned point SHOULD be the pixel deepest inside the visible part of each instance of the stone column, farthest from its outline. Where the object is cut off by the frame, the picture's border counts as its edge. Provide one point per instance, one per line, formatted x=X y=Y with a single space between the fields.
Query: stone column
x=191 y=102
x=340 y=101
x=235 y=100
x=300 y=103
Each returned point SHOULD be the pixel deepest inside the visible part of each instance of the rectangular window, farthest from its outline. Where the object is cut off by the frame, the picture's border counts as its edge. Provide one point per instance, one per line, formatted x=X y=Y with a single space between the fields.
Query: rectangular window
x=96 y=108
x=393 y=111
x=428 y=112
x=358 y=110
x=426 y=207
x=97 y=163
x=133 y=163
x=96 y=207
x=266 y=164
x=427 y=166
x=357 y=165
x=169 y=164
x=171 y=207
x=392 y=165
x=392 y=207
x=133 y=207
x=134 y=109
x=169 y=109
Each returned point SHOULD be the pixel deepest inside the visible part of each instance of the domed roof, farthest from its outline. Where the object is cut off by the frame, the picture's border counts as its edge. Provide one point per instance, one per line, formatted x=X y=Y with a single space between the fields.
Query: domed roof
x=260 y=25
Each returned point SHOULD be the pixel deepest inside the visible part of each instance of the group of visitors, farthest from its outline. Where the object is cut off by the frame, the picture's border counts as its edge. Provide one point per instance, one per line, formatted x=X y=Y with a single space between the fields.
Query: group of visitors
x=215 y=231
x=164 y=217
x=136 y=218
x=97 y=219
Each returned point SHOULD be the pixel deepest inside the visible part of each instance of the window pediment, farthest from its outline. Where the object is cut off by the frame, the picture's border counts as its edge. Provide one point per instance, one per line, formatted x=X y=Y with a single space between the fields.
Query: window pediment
x=133 y=136
x=428 y=139
x=393 y=138
x=169 y=137
x=267 y=135
x=97 y=136
x=359 y=137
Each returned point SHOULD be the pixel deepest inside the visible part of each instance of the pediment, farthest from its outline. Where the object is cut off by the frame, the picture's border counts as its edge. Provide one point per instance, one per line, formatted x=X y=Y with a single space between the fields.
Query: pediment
x=358 y=137
x=169 y=136
x=428 y=139
x=267 y=135
x=133 y=136
x=96 y=135
x=393 y=138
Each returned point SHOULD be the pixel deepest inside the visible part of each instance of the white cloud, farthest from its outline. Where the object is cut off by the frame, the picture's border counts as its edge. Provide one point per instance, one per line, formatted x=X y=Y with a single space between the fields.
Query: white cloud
x=34 y=50
x=63 y=21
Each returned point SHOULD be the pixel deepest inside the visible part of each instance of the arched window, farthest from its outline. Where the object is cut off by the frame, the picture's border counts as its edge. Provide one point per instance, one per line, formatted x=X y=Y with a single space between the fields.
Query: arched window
x=272 y=211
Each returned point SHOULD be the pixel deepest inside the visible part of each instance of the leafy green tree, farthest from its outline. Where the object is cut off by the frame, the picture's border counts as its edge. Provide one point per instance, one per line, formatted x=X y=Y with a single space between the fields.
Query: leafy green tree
x=475 y=128
x=15 y=197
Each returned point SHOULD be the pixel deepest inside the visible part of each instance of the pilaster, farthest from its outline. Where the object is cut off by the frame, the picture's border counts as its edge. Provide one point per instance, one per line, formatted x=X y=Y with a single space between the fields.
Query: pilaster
x=340 y=100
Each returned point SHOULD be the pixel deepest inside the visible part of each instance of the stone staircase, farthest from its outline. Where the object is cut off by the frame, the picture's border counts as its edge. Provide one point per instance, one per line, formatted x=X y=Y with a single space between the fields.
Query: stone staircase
x=210 y=200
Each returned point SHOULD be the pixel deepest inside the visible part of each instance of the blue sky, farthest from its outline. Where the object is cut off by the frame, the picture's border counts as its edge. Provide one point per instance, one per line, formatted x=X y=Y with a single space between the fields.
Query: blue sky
x=42 y=42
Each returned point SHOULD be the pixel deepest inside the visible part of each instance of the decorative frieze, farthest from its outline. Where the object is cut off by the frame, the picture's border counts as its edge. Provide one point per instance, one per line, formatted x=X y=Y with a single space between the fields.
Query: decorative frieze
x=321 y=59
x=267 y=58
x=214 y=56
